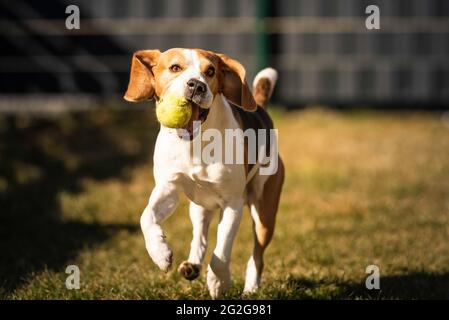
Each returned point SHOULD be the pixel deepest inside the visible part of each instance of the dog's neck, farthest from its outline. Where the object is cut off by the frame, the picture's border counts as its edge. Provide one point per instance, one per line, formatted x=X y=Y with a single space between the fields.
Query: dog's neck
x=220 y=115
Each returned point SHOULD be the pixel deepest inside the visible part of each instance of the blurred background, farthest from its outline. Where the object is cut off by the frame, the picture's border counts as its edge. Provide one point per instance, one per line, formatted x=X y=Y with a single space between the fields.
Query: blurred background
x=363 y=130
x=321 y=48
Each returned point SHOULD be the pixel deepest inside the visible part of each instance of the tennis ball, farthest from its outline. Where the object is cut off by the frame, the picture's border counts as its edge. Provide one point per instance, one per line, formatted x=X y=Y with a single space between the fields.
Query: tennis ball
x=174 y=111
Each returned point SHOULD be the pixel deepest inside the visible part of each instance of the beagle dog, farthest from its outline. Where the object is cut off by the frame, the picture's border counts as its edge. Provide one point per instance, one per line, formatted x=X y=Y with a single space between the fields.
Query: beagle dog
x=221 y=99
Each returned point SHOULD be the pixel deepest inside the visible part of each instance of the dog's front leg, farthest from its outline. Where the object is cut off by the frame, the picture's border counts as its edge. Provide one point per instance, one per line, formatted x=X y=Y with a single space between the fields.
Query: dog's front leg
x=218 y=275
x=162 y=203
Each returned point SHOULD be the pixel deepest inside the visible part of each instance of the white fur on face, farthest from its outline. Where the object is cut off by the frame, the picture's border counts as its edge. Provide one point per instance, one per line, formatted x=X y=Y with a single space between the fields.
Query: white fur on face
x=193 y=71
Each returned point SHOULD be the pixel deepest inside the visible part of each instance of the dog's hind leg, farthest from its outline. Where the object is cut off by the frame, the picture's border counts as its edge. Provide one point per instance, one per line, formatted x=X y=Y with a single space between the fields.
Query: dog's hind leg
x=200 y=218
x=263 y=208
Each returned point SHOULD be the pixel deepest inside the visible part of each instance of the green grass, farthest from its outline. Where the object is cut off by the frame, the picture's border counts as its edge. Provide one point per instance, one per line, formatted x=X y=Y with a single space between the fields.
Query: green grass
x=362 y=187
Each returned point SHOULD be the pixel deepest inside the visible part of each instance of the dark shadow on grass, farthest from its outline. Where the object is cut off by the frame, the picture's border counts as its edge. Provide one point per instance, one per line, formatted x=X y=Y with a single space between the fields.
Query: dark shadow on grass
x=415 y=285
x=39 y=159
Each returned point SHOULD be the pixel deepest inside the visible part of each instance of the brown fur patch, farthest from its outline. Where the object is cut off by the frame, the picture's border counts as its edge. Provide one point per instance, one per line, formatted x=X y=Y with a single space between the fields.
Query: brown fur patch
x=262 y=91
x=256 y=120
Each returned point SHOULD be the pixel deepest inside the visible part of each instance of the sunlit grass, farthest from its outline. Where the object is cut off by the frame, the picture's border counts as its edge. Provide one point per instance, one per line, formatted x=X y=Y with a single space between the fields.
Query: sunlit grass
x=361 y=188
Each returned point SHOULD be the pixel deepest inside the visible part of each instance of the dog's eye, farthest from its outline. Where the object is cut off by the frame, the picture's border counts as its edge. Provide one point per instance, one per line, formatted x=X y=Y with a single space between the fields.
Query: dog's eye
x=210 y=72
x=175 y=68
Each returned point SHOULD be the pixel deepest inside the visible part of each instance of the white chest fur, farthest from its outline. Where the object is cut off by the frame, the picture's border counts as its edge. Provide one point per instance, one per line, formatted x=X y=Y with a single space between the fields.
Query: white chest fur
x=209 y=185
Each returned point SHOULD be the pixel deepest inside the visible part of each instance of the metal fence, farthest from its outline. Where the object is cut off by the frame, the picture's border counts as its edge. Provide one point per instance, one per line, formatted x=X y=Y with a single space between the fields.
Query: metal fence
x=321 y=48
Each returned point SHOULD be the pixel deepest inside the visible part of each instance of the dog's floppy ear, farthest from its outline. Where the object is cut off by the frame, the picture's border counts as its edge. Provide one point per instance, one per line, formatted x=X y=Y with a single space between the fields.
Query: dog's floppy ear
x=141 y=78
x=233 y=83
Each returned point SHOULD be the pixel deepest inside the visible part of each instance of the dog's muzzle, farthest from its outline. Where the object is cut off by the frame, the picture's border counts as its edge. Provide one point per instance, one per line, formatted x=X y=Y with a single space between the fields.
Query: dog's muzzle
x=198 y=114
x=196 y=90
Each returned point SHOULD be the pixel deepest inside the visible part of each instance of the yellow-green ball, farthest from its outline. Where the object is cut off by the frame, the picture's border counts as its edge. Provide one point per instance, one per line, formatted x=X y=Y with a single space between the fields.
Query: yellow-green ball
x=174 y=111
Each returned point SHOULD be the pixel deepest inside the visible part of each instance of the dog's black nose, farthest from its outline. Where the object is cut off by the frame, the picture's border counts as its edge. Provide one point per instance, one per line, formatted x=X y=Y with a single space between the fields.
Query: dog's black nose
x=196 y=87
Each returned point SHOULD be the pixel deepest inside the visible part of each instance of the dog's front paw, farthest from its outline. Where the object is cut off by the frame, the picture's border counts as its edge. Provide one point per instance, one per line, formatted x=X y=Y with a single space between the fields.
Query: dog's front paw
x=250 y=288
x=160 y=253
x=217 y=285
x=189 y=270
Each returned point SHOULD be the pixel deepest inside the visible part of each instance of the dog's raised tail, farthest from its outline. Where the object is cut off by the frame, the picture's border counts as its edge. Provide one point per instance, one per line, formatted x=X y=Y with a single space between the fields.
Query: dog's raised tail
x=263 y=86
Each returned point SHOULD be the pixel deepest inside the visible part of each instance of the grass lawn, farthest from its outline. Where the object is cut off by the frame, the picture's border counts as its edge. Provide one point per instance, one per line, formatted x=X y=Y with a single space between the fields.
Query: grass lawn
x=362 y=188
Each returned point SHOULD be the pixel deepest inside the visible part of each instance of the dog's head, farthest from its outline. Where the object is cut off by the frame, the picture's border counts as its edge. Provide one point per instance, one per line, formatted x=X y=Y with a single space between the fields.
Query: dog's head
x=196 y=74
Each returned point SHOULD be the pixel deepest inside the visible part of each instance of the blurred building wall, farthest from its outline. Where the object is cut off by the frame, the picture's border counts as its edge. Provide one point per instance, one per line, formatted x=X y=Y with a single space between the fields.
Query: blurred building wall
x=321 y=48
